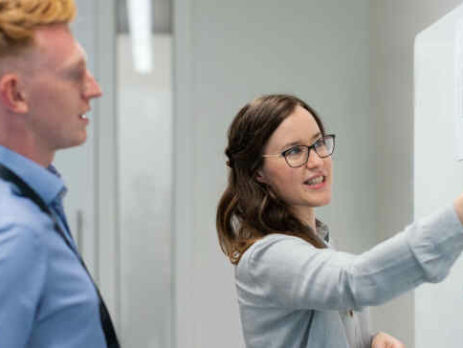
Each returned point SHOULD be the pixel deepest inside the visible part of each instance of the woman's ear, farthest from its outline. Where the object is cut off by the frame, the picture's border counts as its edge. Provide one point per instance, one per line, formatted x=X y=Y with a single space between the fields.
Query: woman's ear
x=260 y=177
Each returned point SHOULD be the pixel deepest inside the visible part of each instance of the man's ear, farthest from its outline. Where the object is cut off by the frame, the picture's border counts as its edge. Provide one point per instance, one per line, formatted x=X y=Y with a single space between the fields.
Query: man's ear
x=11 y=95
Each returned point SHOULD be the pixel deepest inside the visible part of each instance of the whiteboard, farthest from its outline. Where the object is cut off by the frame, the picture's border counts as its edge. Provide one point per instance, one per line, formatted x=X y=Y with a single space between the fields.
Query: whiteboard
x=438 y=169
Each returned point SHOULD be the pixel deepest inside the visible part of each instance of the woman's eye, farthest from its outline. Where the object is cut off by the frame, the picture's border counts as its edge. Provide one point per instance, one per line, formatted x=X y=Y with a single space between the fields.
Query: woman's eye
x=319 y=143
x=296 y=150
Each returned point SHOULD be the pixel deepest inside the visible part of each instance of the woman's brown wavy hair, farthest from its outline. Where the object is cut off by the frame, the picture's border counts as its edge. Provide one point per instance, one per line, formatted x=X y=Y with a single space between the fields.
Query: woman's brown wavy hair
x=248 y=210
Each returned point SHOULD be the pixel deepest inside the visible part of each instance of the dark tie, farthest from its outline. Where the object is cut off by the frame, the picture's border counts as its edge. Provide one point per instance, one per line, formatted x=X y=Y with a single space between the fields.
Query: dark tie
x=57 y=206
x=106 y=322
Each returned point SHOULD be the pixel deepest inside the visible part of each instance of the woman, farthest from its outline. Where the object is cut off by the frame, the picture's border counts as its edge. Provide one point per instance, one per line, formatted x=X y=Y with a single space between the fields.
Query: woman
x=294 y=290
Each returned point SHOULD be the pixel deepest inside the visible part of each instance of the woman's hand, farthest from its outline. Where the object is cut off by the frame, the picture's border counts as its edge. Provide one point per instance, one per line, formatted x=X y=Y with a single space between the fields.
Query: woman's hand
x=458 y=204
x=383 y=340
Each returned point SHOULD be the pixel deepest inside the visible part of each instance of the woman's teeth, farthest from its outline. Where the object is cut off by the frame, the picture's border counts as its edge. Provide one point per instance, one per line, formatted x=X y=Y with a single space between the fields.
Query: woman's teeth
x=315 y=181
x=83 y=116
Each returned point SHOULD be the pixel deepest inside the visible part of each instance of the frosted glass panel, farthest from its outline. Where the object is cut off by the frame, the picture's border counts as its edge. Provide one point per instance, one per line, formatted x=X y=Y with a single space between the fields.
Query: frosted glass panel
x=144 y=106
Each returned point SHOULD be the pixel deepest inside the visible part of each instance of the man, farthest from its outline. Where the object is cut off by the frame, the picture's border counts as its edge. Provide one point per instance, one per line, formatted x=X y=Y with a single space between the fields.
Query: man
x=47 y=298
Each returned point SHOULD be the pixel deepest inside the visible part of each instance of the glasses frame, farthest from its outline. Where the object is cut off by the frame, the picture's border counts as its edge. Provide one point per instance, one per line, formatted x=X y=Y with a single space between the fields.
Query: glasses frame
x=309 y=148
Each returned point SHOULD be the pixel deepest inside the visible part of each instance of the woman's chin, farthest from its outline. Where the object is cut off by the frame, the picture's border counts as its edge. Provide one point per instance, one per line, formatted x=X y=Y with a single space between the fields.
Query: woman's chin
x=319 y=201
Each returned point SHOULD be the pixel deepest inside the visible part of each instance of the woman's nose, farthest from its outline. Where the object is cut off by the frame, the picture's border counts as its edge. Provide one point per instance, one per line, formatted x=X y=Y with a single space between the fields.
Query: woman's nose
x=314 y=159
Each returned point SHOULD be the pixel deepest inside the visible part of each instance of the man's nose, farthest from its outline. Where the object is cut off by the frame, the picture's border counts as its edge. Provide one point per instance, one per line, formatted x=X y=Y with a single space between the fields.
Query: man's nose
x=92 y=88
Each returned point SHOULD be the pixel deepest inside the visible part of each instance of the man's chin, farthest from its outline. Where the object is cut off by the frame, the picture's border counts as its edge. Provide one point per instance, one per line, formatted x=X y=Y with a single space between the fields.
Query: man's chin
x=75 y=142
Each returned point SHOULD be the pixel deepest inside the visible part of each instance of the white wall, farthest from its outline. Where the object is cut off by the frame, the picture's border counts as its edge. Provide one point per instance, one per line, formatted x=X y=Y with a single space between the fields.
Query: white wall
x=394 y=24
x=225 y=55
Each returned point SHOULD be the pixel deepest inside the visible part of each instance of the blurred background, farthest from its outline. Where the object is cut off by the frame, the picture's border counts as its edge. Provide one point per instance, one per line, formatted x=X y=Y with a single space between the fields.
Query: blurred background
x=144 y=188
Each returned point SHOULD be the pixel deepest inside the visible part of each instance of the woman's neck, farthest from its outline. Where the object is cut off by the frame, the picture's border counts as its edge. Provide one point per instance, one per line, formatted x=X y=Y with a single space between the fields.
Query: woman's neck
x=306 y=215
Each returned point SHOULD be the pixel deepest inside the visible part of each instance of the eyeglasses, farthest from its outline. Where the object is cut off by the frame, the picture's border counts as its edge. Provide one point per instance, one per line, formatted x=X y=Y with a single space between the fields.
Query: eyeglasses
x=298 y=155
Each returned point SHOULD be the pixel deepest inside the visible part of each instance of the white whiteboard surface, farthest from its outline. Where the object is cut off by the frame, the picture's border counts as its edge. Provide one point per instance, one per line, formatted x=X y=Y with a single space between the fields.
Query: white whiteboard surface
x=438 y=175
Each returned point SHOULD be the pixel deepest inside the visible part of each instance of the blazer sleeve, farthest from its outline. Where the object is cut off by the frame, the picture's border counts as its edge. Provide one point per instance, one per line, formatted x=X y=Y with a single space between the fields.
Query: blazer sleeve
x=285 y=271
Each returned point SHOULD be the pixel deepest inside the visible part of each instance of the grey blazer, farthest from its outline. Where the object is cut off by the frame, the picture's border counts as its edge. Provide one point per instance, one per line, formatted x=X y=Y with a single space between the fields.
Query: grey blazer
x=291 y=294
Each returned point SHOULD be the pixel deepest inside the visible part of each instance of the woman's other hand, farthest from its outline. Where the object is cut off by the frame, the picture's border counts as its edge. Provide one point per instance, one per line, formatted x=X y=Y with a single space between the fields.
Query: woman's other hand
x=383 y=340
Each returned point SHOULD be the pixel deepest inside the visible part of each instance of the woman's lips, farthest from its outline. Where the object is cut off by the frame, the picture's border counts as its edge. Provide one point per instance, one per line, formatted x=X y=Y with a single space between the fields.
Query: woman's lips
x=316 y=185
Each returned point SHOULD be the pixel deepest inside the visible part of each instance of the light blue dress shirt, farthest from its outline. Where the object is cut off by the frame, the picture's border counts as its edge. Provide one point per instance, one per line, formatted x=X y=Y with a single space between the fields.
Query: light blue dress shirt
x=292 y=295
x=47 y=299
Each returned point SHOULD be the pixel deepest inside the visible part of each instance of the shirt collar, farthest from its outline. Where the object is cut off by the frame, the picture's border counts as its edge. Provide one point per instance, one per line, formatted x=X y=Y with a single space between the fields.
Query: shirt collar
x=46 y=182
x=322 y=230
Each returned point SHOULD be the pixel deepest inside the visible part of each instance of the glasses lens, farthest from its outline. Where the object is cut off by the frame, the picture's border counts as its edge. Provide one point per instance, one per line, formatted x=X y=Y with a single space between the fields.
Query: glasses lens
x=325 y=146
x=296 y=156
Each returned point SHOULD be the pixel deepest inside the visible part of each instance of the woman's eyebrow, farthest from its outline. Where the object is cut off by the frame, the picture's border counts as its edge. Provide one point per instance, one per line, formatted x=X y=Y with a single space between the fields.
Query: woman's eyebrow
x=285 y=146
x=299 y=142
x=317 y=135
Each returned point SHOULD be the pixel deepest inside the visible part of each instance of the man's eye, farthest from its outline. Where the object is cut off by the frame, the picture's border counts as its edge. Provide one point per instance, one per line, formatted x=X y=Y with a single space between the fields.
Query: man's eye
x=76 y=74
